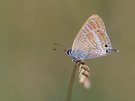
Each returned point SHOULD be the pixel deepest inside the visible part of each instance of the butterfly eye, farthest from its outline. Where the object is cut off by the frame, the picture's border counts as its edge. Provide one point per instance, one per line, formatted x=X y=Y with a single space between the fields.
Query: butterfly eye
x=68 y=51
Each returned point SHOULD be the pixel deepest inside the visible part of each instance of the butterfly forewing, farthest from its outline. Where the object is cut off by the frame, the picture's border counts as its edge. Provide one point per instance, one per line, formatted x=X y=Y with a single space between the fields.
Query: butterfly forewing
x=91 y=40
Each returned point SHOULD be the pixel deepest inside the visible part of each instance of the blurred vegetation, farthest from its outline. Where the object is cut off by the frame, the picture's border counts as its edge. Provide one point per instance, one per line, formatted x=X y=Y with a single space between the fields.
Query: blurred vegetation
x=31 y=71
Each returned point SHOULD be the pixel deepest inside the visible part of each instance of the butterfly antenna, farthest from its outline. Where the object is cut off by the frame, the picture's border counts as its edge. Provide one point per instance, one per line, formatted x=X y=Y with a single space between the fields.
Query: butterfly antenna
x=57 y=44
x=71 y=83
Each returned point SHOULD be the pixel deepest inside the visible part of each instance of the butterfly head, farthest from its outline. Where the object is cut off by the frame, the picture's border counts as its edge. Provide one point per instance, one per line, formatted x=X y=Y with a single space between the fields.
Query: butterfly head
x=68 y=52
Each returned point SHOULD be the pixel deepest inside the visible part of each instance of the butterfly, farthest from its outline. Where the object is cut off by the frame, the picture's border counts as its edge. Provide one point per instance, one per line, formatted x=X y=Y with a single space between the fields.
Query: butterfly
x=91 y=42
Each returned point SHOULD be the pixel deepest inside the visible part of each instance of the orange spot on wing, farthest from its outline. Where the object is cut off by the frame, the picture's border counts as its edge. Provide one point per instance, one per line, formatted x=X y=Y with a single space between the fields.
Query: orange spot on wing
x=101 y=37
x=89 y=36
x=91 y=39
x=93 y=25
x=97 y=23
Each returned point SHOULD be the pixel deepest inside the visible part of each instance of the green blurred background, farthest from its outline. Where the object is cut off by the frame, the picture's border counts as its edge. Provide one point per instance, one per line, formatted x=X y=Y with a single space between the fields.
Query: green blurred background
x=31 y=71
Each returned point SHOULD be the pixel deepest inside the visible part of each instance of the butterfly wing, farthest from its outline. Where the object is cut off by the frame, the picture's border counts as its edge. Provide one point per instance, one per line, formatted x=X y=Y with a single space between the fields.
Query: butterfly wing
x=92 y=40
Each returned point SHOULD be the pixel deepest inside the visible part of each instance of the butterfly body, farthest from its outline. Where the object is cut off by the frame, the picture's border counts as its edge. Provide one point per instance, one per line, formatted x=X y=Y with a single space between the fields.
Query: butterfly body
x=92 y=40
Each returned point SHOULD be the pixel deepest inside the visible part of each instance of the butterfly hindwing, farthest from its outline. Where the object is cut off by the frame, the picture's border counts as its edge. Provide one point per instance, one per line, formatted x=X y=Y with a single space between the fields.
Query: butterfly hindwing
x=92 y=39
